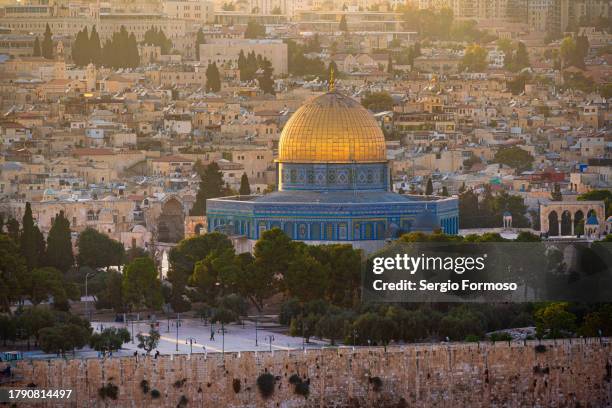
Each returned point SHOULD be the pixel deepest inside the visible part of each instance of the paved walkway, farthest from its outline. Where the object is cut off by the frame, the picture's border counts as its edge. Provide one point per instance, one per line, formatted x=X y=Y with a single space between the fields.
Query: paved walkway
x=237 y=337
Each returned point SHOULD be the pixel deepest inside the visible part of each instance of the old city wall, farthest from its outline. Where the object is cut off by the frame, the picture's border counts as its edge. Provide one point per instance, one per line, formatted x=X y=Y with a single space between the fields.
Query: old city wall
x=576 y=373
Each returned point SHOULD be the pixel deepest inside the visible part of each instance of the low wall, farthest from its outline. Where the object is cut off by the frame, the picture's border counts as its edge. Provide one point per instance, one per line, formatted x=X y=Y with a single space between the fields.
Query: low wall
x=576 y=373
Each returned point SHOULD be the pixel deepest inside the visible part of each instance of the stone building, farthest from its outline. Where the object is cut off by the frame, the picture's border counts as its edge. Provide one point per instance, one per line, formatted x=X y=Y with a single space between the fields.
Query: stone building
x=333 y=185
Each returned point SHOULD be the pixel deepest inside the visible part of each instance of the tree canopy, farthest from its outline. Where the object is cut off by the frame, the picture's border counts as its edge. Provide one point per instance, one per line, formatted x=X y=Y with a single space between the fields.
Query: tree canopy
x=515 y=157
x=59 y=244
x=141 y=286
x=98 y=250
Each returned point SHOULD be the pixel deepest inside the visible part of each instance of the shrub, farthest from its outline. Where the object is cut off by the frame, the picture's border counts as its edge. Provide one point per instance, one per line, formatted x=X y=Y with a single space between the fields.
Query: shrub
x=155 y=394
x=302 y=388
x=144 y=385
x=471 y=338
x=265 y=383
x=109 y=390
x=376 y=383
x=236 y=385
x=182 y=402
x=180 y=383
x=540 y=348
x=295 y=379
x=502 y=336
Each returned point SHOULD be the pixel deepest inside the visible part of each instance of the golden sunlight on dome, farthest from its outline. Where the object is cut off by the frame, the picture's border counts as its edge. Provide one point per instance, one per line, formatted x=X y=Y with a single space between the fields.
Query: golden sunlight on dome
x=332 y=128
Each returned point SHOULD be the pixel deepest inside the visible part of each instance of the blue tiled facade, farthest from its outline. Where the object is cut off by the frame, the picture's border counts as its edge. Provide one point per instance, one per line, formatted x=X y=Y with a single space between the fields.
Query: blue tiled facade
x=330 y=215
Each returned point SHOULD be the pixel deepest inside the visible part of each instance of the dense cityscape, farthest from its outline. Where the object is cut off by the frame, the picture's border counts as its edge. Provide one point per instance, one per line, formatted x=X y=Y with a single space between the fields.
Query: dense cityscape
x=202 y=177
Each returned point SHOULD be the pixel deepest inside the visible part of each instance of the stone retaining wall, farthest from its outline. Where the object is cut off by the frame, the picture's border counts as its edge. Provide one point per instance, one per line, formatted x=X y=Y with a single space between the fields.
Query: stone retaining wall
x=565 y=374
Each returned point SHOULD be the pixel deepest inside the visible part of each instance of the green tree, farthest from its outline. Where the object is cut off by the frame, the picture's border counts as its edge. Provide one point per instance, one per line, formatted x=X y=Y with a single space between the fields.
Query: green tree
x=111 y=294
x=95 y=49
x=344 y=265
x=59 y=244
x=32 y=320
x=98 y=250
x=81 y=48
x=306 y=278
x=378 y=101
x=266 y=80
x=211 y=186
x=598 y=323
x=599 y=195
x=213 y=273
x=141 y=286
x=46 y=282
x=110 y=339
x=12 y=272
x=474 y=59
x=273 y=253
x=213 y=78
x=30 y=245
x=47 y=43
x=36 y=48
x=515 y=157
x=133 y=60
x=148 y=342
x=157 y=37
x=522 y=57
x=554 y=320
x=63 y=337
x=256 y=284
x=254 y=30
x=245 y=188
x=12 y=229
x=429 y=187
x=184 y=257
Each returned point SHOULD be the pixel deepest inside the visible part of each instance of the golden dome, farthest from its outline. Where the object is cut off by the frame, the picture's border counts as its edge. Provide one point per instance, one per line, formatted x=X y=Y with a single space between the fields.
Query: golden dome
x=332 y=128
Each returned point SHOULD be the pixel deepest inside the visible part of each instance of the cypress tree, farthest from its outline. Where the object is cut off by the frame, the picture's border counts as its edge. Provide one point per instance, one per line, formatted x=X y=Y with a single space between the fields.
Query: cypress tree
x=213 y=78
x=47 y=43
x=266 y=82
x=211 y=186
x=95 y=50
x=245 y=188
x=28 y=245
x=36 y=48
x=59 y=244
x=242 y=63
x=429 y=187
x=132 y=49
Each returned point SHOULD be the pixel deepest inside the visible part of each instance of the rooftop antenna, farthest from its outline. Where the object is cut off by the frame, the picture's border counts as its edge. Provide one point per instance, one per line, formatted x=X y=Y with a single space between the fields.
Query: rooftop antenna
x=332 y=80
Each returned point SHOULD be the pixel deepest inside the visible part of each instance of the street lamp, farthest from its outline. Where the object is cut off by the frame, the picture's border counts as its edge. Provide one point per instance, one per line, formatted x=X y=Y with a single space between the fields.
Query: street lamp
x=177 y=330
x=132 y=320
x=270 y=338
x=256 y=321
x=354 y=337
x=190 y=341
